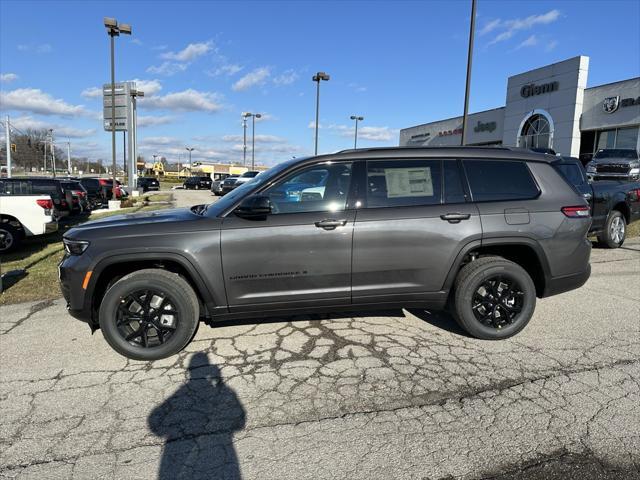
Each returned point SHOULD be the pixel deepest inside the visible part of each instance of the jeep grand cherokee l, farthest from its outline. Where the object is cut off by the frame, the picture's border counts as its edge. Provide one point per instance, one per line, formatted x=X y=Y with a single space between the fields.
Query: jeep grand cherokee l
x=481 y=231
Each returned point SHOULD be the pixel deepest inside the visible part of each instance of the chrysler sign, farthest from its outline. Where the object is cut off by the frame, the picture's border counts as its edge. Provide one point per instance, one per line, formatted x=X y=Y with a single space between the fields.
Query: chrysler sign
x=531 y=89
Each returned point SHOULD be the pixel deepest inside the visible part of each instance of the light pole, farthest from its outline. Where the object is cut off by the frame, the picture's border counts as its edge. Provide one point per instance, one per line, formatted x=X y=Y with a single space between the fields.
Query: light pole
x=69 y=156
x=253 y=135
x=318 y=77
x=357 y=119
x=8 y=139
x=469 y=61
x=53 y=153
x=190 y=149
x=244 y=142
x=114 y=30
x=133 y=138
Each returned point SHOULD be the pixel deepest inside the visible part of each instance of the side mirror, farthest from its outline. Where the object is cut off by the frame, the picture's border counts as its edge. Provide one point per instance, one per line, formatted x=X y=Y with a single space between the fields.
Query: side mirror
x=255 y=207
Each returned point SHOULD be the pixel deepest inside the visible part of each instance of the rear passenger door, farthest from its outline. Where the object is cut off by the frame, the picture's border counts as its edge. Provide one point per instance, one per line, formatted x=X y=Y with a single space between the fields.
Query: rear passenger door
x=414 y=221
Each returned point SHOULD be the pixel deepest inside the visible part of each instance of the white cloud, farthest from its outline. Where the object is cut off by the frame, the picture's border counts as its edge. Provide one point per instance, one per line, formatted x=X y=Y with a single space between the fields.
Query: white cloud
x=158 y=141
x=286 y=78
x=188 y=100
x=40 y=48
x=27 y=122
x=227 y=70
x=251 y=79
x=149 y=87
x=150 y=121
x=37 y=101
x=375 y=134
x=511 y=27
x=259 y=139
x=531 y=41
x=8 y=77
x=190 y=52
x=551 y=45
x=136 y=41
x=490 y=27
x=167 y=68
x=357 y=87
x=92 y=92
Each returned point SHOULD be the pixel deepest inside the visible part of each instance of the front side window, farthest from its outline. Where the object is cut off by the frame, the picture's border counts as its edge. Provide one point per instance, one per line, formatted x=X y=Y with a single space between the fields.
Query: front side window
x=494 y=180
x=403 y=183
x=319 y=188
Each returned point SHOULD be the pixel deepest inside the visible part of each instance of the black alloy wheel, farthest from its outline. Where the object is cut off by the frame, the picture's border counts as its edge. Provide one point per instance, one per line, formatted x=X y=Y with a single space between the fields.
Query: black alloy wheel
x=498 y=301
x=147 y=318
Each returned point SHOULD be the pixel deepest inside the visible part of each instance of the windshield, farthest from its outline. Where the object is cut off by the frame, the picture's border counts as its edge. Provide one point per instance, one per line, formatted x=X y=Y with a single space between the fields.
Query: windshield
x=232 y=197
x=616 y=153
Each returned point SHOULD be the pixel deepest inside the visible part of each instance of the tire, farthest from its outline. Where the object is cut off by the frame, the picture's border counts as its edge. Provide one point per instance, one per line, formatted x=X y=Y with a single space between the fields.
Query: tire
x=615 y=231
x=167 y=286
x=513 y=311
x=10 y=237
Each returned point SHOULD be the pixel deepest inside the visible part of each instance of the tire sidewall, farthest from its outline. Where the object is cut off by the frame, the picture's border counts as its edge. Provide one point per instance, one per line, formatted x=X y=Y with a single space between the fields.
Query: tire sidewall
x=187 y=318
x=464 y=297
x=608 y=240
x=13 y=233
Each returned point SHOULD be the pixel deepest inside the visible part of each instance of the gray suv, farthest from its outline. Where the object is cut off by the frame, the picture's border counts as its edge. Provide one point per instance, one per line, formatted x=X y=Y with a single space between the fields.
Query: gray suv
x=481 y=232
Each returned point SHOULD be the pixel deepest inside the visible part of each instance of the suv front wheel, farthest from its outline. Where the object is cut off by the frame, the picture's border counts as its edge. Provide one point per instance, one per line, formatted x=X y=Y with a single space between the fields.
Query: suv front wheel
x=149 y=314
x=494 y=298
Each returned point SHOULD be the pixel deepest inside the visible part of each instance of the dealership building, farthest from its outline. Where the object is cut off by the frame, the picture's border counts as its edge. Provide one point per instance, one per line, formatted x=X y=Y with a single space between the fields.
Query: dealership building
x=549 y=107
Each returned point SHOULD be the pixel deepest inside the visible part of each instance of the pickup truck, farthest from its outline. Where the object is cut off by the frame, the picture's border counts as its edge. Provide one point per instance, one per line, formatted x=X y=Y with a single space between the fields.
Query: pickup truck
x=614 y=204
x=24 y=216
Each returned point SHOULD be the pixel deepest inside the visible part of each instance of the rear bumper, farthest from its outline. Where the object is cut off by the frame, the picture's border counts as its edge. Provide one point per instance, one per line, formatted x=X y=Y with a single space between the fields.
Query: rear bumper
x=50 y=227
x=556 y=285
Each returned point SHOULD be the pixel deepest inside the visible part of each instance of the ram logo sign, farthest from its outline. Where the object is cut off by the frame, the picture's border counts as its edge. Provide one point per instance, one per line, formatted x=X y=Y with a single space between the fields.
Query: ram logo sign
x=611 y=104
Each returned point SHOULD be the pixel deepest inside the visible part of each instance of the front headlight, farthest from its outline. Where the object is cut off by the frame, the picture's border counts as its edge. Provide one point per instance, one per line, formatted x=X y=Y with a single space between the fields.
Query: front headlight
x=75 y=247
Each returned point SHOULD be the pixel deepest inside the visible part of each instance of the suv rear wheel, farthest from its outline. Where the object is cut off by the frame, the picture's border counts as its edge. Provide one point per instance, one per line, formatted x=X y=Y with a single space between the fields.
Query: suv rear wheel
x=494 y=298
x=149 y=314
x=614 y=231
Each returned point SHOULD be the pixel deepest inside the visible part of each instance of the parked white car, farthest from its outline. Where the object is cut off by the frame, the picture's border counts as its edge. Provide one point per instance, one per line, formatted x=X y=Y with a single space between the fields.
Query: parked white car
x=24 y=216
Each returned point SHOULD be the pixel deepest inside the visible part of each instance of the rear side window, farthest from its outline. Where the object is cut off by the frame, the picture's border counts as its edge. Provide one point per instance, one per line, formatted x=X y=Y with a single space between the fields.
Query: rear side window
x=571 y=172
x=403 y=183
x=492 y=180
x=15 y=187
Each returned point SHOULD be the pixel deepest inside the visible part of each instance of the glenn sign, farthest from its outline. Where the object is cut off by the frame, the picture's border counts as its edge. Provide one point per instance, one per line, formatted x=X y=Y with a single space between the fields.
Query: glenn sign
x=532 y=89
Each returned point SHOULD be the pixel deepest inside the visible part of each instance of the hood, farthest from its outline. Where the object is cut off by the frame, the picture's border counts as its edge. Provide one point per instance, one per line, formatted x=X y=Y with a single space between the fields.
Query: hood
x=177 y=219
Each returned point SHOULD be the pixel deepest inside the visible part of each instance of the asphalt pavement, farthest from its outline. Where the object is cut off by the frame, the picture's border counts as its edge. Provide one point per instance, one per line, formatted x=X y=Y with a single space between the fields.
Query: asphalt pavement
x=385 y=395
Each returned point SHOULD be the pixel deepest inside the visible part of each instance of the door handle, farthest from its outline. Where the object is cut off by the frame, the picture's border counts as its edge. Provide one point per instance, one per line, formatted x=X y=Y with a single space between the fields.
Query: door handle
x=330 y=224
x=455 y=217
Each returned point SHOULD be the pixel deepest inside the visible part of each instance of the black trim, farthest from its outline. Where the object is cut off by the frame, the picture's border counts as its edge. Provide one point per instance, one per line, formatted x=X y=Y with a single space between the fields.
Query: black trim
x=556 y=285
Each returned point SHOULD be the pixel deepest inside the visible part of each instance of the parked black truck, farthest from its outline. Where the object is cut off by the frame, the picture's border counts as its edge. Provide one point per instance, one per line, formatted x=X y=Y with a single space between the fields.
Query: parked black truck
x=614 y=204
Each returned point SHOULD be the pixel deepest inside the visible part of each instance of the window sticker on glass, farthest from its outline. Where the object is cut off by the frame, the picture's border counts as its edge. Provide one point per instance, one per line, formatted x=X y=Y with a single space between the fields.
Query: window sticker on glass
x=408 y=182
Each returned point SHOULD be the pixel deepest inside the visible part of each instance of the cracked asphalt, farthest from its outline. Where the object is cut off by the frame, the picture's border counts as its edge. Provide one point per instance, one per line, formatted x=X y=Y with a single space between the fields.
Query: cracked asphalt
x=384 y=395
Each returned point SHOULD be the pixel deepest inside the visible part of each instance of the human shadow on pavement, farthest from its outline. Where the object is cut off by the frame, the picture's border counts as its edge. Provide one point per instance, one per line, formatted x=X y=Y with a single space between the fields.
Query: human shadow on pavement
x=198 y=422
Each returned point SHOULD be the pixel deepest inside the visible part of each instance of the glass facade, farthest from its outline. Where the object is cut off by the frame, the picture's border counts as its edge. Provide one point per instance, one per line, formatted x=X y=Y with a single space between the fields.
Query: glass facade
x=536 y=133
x=617 y=138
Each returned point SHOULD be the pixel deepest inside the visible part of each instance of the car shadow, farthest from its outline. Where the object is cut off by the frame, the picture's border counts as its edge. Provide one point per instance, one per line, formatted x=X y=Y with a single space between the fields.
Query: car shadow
x=198 y=423
x=442 y=320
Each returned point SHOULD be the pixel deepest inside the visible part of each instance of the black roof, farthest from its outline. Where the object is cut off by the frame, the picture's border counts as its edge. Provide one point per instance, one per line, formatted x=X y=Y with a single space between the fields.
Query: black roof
x=448 y=152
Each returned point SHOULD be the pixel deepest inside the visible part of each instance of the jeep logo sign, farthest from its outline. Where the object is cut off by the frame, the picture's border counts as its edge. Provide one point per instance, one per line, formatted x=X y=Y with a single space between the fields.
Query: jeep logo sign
x=485 y=127
x=530 y=90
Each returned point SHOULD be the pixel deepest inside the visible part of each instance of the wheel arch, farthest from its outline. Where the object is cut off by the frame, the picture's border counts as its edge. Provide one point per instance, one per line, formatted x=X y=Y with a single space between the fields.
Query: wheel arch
x=622 y=207
x=523 y=251
x=110 y=269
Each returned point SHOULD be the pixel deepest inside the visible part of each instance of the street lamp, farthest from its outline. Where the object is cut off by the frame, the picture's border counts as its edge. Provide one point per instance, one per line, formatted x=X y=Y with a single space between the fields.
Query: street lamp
x=190 y=149
x=318 y=77
x=53 y=152
x=357 y=119
x=133 y=138
x=253 y=135
x=244 y=142
x=114 y=30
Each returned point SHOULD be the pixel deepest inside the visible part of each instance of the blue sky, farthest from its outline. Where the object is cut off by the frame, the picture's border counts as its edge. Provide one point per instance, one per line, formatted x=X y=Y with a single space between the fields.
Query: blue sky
x=203 y=63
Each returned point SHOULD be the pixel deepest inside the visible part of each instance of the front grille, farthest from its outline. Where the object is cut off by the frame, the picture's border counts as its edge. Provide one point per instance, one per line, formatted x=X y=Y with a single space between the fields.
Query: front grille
x=613 y=168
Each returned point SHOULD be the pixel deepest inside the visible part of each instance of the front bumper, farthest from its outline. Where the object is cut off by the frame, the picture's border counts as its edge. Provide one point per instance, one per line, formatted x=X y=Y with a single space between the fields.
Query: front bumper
x=71 y=273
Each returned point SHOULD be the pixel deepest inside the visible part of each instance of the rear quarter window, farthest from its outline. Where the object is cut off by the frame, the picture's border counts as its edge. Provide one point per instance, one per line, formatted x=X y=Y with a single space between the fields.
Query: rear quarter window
x=500 y=180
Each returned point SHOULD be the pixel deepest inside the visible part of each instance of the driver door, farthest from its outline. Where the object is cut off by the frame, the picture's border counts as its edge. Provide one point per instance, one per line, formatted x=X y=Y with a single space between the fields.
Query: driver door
x=300 y=254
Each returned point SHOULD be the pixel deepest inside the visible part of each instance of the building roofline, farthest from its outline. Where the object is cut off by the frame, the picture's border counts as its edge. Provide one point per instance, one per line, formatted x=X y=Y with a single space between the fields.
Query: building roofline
x=613 y=83
x=452 y=118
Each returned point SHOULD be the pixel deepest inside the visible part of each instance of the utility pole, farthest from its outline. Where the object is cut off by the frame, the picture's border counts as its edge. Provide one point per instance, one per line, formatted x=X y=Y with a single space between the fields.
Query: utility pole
x=318 y=77
x=69 y=156
x=469 y=61
x=45 y=156
x=53 y=154
x=8 y=138
x=244 y=142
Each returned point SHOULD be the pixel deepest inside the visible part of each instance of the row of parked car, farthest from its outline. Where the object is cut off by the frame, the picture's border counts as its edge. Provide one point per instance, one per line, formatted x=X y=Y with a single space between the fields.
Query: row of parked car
x=32 y=206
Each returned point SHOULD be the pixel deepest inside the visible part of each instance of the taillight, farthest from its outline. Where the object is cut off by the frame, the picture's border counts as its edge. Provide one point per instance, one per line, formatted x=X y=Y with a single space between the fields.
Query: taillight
x=634 y=194
x=102 y=181
x=46 y=204
x=576 y=212
x=63 y=203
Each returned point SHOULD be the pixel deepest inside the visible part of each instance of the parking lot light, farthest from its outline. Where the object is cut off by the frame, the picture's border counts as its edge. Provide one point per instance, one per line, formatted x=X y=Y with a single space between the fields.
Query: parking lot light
x=113 y=30
x=318 y=77
x=190 y=149
x=357 y=119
